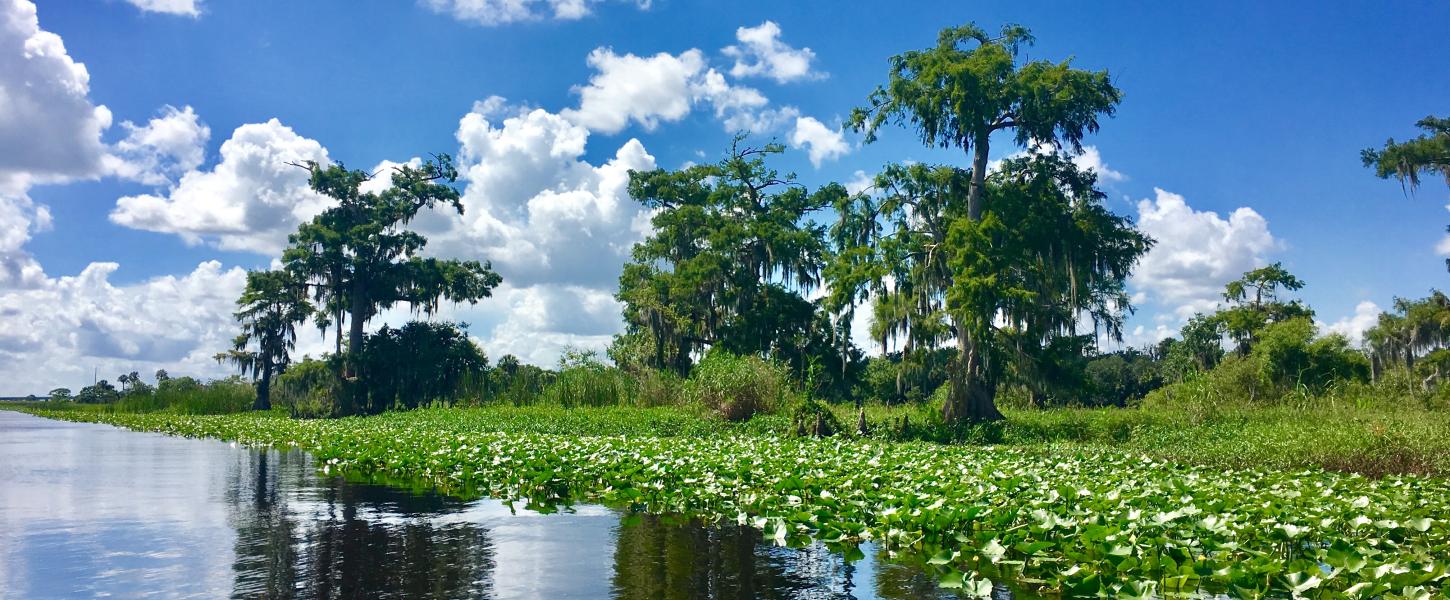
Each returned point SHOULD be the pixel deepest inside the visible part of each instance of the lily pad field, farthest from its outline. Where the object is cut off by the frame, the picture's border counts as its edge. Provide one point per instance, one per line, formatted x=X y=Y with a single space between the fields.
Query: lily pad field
x=1075 y=521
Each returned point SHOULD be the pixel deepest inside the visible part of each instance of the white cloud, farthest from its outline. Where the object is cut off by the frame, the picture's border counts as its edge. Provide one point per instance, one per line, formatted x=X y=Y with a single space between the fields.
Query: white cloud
x=859 y=182
x=761 y=53
x=647 y=90
x=556 y=227
x=55 y=334
x=188 y=8
x=1197 y=252
x=49 y=130
x=162 y=149
x=251 y=200
x=820 y=142
x=664 y=88
x=501 y=12
x=20 y=218
x=1366 y=315
x=1091 y=159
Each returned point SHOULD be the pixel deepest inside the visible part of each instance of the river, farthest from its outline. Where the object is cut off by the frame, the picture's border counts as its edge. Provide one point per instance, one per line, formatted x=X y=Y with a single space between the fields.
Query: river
x=92 y=511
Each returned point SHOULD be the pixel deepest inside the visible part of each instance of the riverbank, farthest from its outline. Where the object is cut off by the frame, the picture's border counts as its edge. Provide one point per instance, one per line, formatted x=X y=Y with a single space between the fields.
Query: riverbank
x=1128 y=522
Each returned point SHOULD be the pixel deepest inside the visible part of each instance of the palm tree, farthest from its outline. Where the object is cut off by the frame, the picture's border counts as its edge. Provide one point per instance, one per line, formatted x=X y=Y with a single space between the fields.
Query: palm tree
x=269 y=310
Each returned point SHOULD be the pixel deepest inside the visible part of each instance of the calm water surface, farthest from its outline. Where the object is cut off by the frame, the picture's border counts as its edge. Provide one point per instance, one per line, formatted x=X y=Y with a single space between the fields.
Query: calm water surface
x=96 y=511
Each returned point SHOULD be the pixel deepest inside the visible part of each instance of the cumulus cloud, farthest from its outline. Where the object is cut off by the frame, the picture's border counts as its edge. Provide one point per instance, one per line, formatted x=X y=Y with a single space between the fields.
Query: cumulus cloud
x=859 y=182
x=820 y=142
x=56 y=333
x=1197 y=252
x=49 y=130
x=162 y=149
x=249 y=201
x=1091 y=159
x=502 y=12
x=189 y=8
x=761 y=53
x=1366 y=315
x=20 y=218
x=555 y=226
x=663 y=88
x=646 y=90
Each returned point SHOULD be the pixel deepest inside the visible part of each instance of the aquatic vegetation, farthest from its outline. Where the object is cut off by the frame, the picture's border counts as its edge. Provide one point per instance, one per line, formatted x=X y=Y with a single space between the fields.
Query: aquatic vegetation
x=1085 y=522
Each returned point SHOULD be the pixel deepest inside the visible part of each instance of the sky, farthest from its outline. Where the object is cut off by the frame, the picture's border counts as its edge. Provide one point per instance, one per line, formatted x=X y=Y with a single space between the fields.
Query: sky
x=144 y=148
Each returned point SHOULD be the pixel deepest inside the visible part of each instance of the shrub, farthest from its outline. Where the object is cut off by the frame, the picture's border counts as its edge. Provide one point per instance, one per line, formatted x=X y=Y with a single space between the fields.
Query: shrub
x=655 y=387
x=308 y=389
x=811 y=418
x=737 y=387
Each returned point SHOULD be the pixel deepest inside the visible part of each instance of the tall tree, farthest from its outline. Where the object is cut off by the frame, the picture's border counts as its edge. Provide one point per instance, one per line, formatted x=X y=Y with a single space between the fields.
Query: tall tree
x=731 y=255
x=1013 y=295
x=1415 y=328
x=1254 y=303
x=269 y=310
x=957 y=94
x=1427 y=154
x=359 y=258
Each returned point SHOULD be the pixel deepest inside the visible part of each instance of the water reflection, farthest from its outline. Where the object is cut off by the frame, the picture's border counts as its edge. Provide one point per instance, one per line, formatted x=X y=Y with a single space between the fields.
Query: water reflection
x=89 y=511
x=340 y=540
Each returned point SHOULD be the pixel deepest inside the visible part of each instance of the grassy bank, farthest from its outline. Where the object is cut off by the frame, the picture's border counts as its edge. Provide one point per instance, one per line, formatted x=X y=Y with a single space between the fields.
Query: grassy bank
x=1022 y=511
x=1373 y=441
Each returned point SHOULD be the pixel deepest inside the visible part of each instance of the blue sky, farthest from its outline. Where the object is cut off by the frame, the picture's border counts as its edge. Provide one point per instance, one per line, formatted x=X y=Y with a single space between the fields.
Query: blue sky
x=1237 y=143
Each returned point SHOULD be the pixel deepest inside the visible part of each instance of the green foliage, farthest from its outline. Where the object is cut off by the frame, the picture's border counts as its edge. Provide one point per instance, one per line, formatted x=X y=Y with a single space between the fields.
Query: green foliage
x=731 y=255
x=1254 y=304
x=1288 y=363
x=359 y=258
x=418 y=363
x=737 y=388
x=518 y=383
x=1121 y=378
x=811 y=418
x=269 y=310
x=1288 y=355
x=1414 y=329
x=101 y=392
x=1407 y=161
x=583 y=380
x=1126 y=522
x=60 y=395
x=949 y=246
x=310 y=389
x=1199 y=348
x=185 y=395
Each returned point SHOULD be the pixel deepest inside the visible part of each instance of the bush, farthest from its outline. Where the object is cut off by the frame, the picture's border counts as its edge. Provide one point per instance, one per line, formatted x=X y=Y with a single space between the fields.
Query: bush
x=309 y=389
x=737 y=388
x=655 y=387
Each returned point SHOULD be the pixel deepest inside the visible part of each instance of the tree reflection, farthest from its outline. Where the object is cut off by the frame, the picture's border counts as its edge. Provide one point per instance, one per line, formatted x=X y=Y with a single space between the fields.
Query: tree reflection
x=665 y=558
x=299 y=536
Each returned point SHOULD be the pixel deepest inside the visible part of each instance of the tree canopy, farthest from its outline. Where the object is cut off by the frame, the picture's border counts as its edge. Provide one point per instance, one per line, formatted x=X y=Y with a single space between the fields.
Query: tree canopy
x=731 y=255
x=269 y=310
x=358 y=257
x=964 y=261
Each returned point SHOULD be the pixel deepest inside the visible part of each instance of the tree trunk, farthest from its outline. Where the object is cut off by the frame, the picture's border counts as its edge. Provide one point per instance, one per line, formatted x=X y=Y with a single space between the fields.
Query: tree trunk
x=980 y=147
x=353 y=391
x=972 y=395
x=264 y=388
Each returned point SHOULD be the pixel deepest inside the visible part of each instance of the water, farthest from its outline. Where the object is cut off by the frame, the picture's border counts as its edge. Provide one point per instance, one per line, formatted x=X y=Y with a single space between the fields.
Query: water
x=95 y=511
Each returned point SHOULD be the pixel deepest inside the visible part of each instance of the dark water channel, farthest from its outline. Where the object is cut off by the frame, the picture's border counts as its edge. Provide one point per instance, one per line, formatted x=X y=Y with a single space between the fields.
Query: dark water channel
x=89 y=511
